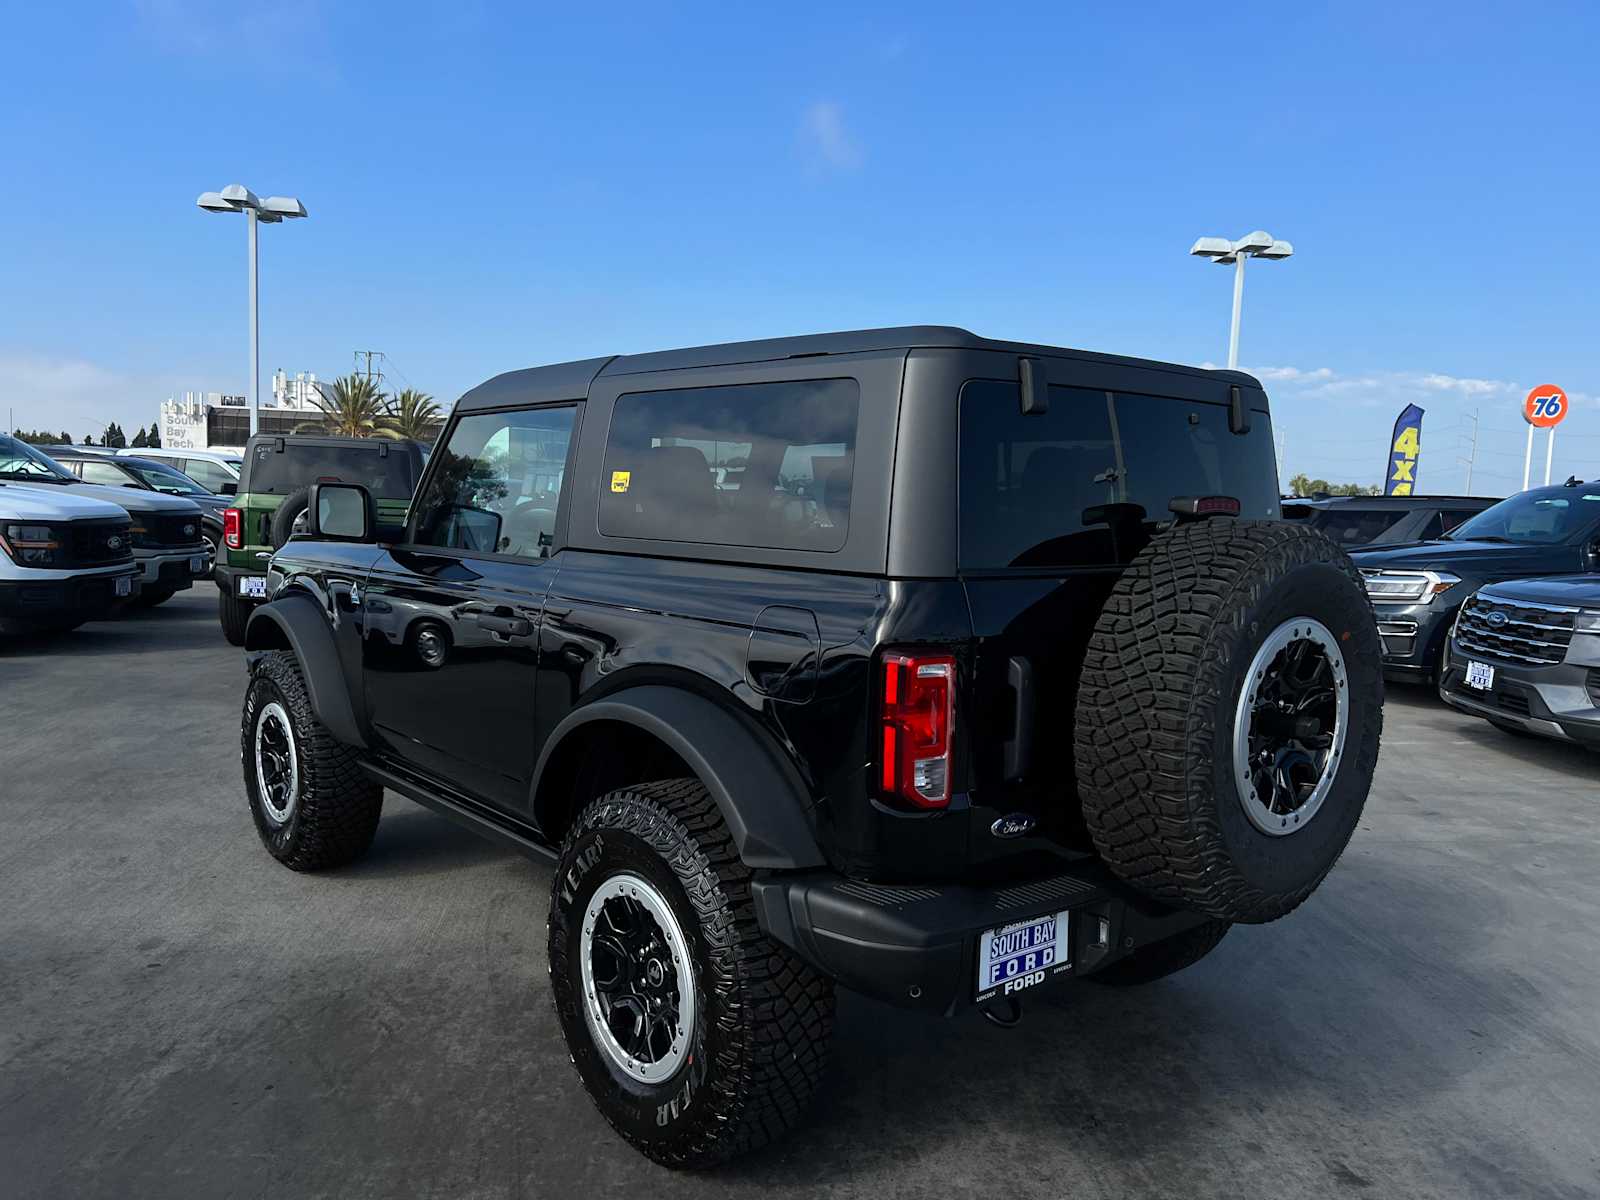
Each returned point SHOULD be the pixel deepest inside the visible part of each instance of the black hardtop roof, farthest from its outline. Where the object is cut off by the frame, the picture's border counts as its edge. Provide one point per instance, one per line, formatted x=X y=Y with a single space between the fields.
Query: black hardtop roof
x=570 y=380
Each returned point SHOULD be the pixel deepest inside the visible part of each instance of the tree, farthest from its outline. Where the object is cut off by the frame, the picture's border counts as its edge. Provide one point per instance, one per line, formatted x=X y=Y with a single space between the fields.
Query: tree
x=66 y=438
x=88 y=439
x=113 y=437
x=153 y=438
x=139 y=439
x=355 y=409
x=1304 y=485
x=413 y=414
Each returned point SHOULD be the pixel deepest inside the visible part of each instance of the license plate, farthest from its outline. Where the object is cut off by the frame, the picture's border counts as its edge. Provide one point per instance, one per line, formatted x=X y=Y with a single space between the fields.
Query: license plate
x=198 y=564
x=1480 y=676
x=254 y=586
x=1022 y=955
x=124 y=585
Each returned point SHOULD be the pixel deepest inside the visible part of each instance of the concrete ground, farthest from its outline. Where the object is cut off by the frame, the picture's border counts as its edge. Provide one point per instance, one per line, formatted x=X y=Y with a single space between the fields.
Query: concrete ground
x=180 y=1016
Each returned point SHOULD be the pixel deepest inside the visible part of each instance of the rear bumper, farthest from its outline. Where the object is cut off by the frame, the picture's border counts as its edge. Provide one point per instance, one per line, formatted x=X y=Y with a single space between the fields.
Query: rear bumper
x=86 y=596
x=916 y=945
x=1560 y=702
x=228 y=577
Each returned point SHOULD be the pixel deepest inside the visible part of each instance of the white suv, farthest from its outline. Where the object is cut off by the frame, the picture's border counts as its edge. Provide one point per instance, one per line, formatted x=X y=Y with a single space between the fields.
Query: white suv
x=218 y=473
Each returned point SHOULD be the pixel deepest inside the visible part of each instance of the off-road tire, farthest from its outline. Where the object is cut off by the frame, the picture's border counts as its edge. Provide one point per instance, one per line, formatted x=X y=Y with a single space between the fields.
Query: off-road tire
x=233 y=614
x=282 y=528
x=152 y=596
x=1155 y=714
x=1167 y=957
x=336 y=809
x=764 y=1018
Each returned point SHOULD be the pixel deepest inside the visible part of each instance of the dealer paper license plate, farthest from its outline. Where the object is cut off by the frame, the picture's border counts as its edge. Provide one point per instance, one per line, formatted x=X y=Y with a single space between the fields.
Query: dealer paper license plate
x=254 y=586
x=1480 y=675
x=1019 y=956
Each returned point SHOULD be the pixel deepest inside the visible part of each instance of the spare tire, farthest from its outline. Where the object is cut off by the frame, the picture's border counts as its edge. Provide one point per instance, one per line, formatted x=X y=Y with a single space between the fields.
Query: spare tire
x=291 y=510
x=1228 y=717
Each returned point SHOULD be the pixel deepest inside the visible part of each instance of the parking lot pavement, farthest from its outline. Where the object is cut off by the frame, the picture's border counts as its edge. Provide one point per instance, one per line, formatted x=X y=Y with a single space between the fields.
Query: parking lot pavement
x=180 y=1016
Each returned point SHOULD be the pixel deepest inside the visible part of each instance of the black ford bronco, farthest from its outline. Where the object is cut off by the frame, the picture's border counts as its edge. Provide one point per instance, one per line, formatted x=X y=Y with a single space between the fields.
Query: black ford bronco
x=939 y=668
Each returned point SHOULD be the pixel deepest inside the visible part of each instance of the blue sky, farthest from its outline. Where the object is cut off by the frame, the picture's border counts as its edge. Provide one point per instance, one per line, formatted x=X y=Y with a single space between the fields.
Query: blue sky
x=495 y=186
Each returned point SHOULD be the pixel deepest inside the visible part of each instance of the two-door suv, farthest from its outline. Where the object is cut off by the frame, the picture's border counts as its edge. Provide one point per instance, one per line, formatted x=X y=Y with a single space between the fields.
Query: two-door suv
x=931 y=666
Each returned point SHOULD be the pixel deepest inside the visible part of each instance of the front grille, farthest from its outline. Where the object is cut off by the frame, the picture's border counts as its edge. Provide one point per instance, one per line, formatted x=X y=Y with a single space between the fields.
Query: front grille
x=1515 y=629
x=89 y=543
x=172 y=531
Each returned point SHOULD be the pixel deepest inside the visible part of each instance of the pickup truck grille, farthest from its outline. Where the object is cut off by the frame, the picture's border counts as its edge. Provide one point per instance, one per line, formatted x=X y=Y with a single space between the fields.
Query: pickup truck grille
x=1515 y=629
x=89 y=543
x=172 y=531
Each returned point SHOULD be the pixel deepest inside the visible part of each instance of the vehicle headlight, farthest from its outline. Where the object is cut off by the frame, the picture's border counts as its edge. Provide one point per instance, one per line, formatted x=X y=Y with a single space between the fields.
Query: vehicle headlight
x=1408 y=587
x=31 y=545
x=1587 y=620
x=141 y=535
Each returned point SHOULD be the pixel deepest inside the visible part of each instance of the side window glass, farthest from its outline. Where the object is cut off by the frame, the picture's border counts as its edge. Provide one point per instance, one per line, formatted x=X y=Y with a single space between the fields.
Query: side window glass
x=761 y=465
x=207 y=475
x=94 y=472
x=497 y=483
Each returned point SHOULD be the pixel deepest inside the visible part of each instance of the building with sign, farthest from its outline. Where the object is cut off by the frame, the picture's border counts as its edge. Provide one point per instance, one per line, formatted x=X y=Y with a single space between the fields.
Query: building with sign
x=219 y=421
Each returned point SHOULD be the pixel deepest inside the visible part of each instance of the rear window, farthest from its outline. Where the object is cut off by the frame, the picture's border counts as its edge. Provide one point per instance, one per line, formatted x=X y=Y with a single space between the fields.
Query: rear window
x=766 y=465
x=387 y=475
x=1356 y=526
x=1084 y=483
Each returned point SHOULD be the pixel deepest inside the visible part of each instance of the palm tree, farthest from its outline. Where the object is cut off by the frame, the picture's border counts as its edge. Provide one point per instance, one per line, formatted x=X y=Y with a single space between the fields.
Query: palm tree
x=413 y=414
x=355 y=409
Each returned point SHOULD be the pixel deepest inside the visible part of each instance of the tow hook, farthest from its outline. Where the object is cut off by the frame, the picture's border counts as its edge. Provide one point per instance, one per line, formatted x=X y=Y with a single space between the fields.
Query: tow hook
x=1014 y=1003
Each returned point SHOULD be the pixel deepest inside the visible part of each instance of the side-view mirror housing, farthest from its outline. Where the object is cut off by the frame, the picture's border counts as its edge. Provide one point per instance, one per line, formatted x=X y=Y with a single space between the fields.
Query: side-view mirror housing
x=341 y=512
x=228 y=489
x=1591 y=555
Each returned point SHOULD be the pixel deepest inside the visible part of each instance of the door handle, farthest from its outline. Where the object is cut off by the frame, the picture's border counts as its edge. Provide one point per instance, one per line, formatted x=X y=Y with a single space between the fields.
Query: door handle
x=509 y=626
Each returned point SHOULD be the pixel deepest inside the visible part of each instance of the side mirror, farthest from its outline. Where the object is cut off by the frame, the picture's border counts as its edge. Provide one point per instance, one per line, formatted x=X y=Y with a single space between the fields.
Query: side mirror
x=1591 y=556
x=341 y=512
x=228 y=489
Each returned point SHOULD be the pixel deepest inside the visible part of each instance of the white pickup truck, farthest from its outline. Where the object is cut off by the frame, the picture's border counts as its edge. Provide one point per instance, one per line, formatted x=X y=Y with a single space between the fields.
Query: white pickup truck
x=64 y=559
x=169 y=548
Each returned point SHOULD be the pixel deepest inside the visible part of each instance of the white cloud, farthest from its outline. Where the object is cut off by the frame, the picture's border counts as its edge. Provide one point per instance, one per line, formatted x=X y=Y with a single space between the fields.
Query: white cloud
x=827 y=139
x=78 y=397
x=1463 y=387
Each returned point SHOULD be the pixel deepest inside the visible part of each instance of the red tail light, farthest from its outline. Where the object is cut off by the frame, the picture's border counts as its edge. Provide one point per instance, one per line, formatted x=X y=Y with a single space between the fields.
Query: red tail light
x=233 y=528
x=918 y=719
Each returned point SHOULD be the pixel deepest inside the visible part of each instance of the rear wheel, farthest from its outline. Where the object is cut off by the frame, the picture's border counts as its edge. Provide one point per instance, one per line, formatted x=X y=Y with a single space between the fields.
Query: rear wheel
x=290 y=518
x=234 y=615
x=696 y=1035
x=1160 y=959
x=1228 y=717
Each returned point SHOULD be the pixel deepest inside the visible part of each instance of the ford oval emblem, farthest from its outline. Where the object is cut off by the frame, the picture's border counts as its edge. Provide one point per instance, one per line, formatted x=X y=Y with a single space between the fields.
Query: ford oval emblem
x=188 y=530
x=1013 y=825
x=114 y=542
x=1497 y=619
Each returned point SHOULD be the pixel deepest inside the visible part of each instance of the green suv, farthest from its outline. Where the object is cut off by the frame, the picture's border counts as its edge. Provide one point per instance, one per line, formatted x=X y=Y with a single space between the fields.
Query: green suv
x=270 y=505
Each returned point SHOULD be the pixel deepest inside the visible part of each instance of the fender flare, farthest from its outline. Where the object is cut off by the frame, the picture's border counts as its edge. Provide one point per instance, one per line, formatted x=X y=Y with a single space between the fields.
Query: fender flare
x=298 y=620
x=761 y=797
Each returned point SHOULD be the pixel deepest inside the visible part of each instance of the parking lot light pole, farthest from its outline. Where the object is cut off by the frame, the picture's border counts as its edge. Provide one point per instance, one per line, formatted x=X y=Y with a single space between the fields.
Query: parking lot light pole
x=1221 y=250
x=238 y=198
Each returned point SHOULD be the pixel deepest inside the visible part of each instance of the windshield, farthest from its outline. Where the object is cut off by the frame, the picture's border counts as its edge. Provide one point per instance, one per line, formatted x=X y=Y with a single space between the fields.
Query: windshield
x=1543 y=516
x=18 y=460
x=167 y=479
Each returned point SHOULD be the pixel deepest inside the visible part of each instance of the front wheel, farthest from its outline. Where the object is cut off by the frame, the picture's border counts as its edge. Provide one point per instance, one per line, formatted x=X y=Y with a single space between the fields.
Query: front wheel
x=696 y=1035
x=312 y=805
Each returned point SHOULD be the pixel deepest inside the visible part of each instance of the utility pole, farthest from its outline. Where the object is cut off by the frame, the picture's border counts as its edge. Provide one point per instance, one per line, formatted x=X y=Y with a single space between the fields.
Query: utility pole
x=369 y=355
x=1472 y=454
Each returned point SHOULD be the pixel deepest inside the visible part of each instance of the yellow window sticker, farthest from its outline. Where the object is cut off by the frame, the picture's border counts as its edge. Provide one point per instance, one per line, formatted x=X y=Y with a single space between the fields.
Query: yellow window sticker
x=619 y=480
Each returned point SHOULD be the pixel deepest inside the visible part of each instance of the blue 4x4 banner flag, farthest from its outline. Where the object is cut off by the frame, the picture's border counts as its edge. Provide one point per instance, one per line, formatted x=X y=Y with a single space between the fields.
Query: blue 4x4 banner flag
x=1405 y=446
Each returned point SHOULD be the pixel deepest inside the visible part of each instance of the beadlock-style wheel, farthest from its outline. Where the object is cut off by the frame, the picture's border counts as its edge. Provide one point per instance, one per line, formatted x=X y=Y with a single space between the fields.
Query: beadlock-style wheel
x=277 y=767
x=639 y=1000
x=1290 y=725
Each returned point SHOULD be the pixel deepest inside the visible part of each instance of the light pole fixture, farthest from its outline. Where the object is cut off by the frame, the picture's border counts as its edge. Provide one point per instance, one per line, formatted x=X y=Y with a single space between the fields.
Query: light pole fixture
x=238 y=198
x=1221 y=250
